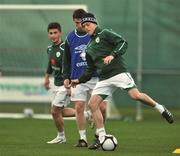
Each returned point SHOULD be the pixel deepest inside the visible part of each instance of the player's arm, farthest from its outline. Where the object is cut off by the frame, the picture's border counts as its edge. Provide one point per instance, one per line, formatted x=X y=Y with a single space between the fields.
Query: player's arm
x=47 y=74
x=87 y=74
x=66 y=63
x=117 y=41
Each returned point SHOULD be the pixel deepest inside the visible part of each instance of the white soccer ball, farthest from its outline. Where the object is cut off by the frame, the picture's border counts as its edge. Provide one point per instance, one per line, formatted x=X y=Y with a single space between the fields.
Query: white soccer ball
x=108 y=142
x=28 y=113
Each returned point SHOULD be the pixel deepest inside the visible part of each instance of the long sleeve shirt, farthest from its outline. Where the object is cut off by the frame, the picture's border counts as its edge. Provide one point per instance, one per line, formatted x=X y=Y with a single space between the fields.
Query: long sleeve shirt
x=104 y=43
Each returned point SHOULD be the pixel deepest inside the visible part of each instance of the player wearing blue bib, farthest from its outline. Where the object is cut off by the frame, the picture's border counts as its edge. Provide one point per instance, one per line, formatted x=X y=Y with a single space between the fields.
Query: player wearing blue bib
x=74 y=65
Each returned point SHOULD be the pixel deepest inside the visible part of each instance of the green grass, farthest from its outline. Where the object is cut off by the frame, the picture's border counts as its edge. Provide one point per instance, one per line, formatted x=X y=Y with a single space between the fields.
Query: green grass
x=151 y=137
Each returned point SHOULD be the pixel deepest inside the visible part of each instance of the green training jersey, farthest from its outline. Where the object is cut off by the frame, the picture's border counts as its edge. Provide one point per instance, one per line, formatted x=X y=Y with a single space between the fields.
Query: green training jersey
x=55 y=54
x=104 y=43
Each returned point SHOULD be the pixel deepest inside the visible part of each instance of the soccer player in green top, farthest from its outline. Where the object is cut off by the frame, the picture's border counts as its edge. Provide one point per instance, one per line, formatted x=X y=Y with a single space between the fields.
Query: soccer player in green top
x=61 y=94
x=61 y=99
x=104 y=54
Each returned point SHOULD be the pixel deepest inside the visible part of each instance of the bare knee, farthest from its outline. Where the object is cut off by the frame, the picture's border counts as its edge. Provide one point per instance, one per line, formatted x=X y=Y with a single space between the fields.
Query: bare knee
x=79 y=107
x=92 y=106
x=55 y=111
x=135 y=95
x=94 y=102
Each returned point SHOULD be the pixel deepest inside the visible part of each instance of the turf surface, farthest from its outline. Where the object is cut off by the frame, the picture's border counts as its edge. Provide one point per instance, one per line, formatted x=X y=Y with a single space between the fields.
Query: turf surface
x=151 y=137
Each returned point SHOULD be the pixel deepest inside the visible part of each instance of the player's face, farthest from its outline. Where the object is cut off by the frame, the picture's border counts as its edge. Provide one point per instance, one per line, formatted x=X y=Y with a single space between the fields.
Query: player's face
x=89 y=27
x=54 y=35
x=77 y=22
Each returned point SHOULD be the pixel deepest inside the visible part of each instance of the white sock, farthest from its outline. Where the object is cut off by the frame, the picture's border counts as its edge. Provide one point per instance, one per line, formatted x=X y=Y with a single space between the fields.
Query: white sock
x=61 y=134
x=82 y=134
x=101 y=132
x=87 y=114
x=159 y=108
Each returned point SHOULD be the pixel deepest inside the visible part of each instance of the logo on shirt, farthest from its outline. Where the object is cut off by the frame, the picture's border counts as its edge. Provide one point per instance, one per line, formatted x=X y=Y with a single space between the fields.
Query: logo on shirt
x=97 y=40
x=80 y=52
x=80 y=64
x=58 y=54
x=80 y=48
x=83 y=56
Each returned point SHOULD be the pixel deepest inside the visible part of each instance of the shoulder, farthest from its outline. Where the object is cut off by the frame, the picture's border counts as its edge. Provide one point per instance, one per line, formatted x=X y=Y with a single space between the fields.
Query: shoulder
x=71 y=35
x=61 y=46
x=49 y=48
x=109 y=33
x=105 y=31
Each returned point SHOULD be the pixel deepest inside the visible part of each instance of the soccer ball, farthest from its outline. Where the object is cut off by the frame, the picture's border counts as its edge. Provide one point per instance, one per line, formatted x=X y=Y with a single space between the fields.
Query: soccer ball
x=28 y=113
x=108 y=142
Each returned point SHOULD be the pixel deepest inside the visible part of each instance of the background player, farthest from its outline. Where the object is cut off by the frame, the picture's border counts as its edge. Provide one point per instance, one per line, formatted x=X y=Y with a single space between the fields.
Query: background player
x=61 y=99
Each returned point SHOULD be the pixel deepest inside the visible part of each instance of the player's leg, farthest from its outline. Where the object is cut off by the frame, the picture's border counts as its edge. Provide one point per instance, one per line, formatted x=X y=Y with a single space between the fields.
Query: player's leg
x=68 y=112
x=59 y=123
x=145 y=99
x=96 y=144
x=94 y=106
x=58 y=104
x=136 y=95
x=78 y=96
x=125 y=81
x=103 y=109
x=90 y=85
x=71 y=112
x=81 y=123
x=102 y=90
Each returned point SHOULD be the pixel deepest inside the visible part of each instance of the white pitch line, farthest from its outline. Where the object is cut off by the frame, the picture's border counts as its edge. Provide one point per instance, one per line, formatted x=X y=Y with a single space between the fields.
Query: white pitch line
x=42 y=7
x=34 y=116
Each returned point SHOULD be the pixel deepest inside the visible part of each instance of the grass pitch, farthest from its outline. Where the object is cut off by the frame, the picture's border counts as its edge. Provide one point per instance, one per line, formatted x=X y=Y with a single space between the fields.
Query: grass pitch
x=151 y=137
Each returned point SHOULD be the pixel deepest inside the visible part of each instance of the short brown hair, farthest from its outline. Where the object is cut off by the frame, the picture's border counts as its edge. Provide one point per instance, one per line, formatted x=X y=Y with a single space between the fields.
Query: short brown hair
x=78 y=13
x=54 y=25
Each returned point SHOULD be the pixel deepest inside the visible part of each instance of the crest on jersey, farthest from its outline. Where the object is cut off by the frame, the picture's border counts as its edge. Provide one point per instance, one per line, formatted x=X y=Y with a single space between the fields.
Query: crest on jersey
x=58 y=54
x=83 y=56
x=97 y=40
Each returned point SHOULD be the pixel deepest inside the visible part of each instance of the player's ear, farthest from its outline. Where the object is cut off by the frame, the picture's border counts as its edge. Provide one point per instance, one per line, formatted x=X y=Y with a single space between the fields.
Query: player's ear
x=60 y=32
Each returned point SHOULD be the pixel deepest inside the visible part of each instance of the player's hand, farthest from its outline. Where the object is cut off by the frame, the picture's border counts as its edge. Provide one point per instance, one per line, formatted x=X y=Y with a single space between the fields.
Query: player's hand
x=46 y=83
x=67 y=83
x=74 y=83
x=69 y=92
x=108 y=59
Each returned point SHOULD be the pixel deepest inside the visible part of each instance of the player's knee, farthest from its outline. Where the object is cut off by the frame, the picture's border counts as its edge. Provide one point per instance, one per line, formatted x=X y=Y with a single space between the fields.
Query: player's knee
x=136 y=96
x=54 y=112
x=92 y=106
x=94 y=103
x=79 y=109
